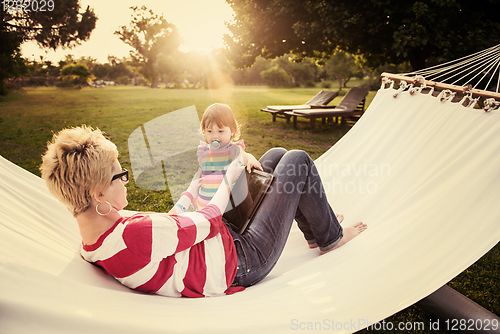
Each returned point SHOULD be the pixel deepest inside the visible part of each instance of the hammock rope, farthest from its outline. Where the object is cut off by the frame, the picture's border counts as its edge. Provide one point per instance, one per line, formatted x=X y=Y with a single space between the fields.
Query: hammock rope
x=477 y=70
x=467 y=80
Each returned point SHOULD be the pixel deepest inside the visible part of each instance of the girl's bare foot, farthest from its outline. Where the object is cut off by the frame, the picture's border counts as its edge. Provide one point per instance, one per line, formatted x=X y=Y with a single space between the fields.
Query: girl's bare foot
x=349 y=233
x=340 y=218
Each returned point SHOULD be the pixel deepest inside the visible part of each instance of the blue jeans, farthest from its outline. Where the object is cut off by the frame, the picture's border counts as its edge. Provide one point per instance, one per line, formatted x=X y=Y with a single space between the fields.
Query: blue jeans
x=297 y=193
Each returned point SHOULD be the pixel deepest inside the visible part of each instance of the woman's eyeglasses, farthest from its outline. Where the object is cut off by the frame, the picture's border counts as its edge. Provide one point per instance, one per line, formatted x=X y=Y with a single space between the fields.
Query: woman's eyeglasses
x=123 y=176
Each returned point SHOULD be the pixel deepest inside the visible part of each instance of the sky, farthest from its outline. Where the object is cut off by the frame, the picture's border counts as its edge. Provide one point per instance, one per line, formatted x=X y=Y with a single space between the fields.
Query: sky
x=201 y=24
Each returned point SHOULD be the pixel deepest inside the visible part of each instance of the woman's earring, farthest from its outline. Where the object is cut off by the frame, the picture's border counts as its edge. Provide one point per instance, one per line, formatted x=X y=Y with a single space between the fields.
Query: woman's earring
x=103 y=214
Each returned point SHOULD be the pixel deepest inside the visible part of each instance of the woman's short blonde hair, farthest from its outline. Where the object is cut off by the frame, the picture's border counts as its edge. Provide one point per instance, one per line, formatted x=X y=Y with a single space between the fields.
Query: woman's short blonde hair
x=222 y=115
x=78 y=164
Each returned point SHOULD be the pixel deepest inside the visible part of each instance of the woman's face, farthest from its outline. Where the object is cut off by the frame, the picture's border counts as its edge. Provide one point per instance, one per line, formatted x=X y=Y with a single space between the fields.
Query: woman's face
x=213 y=132
x=116 y=193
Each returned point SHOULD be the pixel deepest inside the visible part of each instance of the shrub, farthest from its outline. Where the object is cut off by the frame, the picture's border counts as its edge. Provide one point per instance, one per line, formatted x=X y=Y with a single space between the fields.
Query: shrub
x=326 y=84
x=123 y=80
x=276 y=77
x=74 y=75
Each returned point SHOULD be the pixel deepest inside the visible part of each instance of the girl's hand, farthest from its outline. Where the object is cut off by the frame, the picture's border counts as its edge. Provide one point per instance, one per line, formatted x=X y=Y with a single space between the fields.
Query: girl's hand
x=252 y=163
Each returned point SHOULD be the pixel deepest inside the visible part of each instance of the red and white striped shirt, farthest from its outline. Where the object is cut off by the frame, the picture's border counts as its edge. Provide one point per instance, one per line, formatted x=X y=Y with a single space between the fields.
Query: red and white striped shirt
x=190 y=255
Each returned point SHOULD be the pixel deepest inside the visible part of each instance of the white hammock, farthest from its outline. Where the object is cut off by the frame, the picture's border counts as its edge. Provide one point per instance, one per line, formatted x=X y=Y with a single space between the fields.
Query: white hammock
x=423 y=174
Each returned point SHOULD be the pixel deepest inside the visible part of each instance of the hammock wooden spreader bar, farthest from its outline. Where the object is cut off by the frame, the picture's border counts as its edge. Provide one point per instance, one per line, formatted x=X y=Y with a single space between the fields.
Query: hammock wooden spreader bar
x=442 y=86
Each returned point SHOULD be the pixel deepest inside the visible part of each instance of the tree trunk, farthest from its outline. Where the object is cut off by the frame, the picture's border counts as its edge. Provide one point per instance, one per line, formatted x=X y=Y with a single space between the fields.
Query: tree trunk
x=417 y=58
x=154 y=83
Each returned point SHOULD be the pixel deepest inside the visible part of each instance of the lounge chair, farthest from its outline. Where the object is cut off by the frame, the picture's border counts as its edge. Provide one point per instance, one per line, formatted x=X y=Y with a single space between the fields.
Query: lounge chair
x=352 y=104
x=320 y=100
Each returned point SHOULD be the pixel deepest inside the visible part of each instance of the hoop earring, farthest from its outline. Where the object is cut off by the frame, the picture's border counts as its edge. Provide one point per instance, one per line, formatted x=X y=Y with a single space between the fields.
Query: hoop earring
x=103 y=214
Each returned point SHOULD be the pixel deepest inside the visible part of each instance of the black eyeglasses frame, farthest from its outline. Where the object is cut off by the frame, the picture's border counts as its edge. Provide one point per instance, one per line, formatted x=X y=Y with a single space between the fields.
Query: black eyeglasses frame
x=123 y=176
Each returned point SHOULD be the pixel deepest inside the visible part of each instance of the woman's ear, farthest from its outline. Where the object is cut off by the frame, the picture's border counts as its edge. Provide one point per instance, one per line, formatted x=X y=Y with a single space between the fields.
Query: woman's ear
x=98 y=197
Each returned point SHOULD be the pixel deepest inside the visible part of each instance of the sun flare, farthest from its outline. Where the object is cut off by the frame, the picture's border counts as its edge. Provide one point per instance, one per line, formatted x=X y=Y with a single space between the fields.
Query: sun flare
x=201 y=24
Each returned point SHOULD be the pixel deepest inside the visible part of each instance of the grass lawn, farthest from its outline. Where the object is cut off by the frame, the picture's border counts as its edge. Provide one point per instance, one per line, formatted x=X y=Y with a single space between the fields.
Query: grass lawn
x=29 y=117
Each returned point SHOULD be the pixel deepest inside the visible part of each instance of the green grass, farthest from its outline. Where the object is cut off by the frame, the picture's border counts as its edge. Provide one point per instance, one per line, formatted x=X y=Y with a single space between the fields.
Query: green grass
x=28 y=118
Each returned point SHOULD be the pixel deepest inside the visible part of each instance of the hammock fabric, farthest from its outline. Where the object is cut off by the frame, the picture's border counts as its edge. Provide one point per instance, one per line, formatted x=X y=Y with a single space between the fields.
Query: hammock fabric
x=422 y=173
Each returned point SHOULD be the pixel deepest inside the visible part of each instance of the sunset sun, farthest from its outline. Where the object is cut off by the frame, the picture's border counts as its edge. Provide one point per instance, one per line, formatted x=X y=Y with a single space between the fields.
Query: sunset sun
x=201 y=23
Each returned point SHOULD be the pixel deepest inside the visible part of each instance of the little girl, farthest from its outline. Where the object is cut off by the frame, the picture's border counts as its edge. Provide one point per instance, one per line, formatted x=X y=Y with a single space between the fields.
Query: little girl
x=221 y=130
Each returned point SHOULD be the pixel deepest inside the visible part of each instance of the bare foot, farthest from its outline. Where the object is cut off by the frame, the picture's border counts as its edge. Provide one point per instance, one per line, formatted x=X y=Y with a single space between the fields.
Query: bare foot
x=340 y=218
x=350 y=233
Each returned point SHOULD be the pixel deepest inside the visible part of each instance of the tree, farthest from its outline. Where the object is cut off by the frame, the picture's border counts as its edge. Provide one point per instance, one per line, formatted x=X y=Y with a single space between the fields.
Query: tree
x=149 y=35
x=382 y=31
x=11 y=62
x=251 y=75
x=342 y=67
x=57 y=24
x=50 y=69
x=170 y=68
x=301 y=73
x=60 y=24
x=196 y=66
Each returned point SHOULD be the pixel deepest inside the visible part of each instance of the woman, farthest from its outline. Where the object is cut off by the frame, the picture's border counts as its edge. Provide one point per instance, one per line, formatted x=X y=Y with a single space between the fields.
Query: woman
x=188 y=254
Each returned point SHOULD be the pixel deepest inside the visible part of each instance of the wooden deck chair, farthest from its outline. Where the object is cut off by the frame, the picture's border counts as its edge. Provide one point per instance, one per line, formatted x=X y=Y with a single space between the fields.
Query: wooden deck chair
x=320 y=100
x=352 y=104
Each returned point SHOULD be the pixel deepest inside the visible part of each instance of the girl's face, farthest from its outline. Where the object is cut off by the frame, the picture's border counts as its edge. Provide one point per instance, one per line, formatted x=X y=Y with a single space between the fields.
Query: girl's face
x=213 y=132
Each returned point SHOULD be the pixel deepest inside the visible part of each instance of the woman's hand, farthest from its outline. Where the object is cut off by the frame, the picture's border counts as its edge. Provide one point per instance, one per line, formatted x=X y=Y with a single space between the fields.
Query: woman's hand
x=195 y=184
x=234 y=170
x=175 y=211
x=188 y=196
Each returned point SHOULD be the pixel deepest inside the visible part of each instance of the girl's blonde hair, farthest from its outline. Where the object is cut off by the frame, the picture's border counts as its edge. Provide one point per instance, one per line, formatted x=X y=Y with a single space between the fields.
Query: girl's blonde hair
x=78 y=164
x=222 y=115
